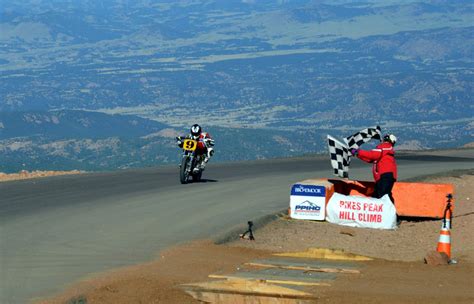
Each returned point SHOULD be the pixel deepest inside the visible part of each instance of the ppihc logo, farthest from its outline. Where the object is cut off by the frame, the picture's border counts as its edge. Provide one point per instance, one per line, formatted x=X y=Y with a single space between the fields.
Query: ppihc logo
x=308 y=207
x=308 y=190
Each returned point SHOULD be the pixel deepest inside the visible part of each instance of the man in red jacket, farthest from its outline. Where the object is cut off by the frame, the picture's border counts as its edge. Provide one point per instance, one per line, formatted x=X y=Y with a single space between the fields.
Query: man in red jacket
x=384 y=166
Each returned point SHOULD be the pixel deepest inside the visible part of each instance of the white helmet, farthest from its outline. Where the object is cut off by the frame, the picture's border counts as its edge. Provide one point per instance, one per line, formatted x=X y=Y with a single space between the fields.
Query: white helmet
x=390 y=138
x=196 y=130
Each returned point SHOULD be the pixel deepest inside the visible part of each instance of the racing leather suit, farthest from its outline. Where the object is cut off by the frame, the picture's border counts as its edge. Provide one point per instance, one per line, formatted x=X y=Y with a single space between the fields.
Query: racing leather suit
x=204 y=146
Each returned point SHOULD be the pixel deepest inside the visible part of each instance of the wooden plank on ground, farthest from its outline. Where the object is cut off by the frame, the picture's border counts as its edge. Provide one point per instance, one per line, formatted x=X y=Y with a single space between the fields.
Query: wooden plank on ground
x=304 y=268
x=324 y=253
x=274 y=281
x=243 y=286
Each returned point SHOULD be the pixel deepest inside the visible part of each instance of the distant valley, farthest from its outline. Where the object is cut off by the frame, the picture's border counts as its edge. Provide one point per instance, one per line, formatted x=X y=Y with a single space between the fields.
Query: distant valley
x=105 y=86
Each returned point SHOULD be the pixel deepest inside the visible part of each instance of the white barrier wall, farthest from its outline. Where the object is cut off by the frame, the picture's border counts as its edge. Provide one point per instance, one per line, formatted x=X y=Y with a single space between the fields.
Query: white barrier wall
x=359 y=211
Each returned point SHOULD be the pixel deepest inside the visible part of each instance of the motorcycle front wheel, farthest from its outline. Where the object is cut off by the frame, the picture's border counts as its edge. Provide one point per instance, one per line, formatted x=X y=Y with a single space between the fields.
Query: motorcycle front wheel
x=183 y=171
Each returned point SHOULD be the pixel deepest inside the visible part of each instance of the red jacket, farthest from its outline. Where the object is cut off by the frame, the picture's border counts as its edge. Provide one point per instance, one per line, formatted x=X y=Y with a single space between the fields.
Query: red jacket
x=202 y=145
x=383 y=159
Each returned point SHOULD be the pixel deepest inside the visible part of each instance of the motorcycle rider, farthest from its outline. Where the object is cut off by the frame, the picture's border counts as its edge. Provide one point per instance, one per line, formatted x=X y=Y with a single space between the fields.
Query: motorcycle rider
x=204 y=146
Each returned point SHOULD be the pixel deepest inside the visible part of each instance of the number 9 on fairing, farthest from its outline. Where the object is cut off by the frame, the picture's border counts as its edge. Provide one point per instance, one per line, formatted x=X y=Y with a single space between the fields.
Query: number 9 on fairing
x=189 y=145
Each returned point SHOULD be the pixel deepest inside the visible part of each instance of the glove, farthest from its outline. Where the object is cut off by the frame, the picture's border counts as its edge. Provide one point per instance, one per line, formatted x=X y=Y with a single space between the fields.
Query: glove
x=354 y=152
x=179 y=141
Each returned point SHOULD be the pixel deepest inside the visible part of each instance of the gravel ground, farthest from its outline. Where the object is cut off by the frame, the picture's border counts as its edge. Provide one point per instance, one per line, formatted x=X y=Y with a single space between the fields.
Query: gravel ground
x=5 y=177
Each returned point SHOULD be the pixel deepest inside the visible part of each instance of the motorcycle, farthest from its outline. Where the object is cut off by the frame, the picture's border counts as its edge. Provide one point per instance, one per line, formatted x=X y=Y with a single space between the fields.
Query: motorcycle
x=190 y=162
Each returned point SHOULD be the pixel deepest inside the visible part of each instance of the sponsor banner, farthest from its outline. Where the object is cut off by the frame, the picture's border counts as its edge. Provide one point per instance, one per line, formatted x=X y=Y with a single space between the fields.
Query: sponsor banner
x=308 y=202
x=359 y=211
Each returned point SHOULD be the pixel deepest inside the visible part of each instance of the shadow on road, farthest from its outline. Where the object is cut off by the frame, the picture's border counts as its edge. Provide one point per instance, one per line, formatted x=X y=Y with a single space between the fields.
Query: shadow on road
x=205 y=180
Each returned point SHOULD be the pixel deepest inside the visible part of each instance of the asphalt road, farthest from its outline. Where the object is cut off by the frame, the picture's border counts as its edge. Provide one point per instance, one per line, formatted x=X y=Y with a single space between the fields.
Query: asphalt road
x=55 y=231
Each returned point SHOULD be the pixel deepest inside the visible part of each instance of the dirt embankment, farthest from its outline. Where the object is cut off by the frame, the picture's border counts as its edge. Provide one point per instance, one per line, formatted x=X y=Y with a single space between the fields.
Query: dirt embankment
x=24 y=174
x=397 y=276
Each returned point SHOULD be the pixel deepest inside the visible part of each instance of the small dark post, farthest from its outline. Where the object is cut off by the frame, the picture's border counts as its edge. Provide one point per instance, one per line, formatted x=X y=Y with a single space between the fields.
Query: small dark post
x=448 y=209
x=249 y=231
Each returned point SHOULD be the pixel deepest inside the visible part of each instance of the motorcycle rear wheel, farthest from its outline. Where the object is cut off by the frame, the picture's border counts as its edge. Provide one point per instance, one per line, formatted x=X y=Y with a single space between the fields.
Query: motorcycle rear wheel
x=197 y=176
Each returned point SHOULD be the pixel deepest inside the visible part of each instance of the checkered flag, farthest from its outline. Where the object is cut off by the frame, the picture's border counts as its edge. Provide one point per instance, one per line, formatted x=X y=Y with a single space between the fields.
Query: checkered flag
x=339 y=152
x=340 y=157
x=361 y=137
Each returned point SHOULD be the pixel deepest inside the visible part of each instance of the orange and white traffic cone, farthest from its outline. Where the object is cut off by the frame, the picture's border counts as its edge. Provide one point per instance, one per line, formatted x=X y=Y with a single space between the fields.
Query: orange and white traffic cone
x=444 y=242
